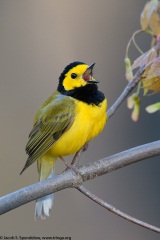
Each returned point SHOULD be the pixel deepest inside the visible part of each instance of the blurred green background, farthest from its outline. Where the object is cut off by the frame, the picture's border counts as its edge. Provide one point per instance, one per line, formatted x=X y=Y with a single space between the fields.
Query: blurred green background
x=38 y=38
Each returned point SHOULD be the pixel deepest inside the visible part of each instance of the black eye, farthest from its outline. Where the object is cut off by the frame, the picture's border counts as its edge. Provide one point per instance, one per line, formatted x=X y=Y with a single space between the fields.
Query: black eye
x=73 y=75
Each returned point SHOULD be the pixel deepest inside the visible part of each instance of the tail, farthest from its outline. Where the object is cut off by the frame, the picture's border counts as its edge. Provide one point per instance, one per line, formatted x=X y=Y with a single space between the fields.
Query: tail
x=45 y=204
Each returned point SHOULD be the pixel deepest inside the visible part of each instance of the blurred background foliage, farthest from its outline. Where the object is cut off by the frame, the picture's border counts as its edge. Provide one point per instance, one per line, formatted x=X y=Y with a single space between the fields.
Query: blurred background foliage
x=38 y=39
x=149 y=60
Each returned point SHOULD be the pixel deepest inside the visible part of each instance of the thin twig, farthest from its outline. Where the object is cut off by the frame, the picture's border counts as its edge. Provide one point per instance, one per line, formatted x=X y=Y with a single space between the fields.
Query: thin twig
x=130 y=86
x=116 y=211
x=70 y=179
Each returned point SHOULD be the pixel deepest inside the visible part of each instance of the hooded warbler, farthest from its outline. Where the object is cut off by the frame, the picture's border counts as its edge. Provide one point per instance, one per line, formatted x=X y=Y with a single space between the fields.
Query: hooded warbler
x=64 y=123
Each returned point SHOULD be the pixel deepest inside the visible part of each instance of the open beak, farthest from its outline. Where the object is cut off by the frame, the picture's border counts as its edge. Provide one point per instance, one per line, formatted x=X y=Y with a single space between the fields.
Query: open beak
x=87 y=76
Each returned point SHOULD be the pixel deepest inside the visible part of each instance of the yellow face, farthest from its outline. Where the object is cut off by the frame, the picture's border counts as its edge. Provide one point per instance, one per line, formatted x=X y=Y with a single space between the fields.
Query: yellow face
x=78 y=76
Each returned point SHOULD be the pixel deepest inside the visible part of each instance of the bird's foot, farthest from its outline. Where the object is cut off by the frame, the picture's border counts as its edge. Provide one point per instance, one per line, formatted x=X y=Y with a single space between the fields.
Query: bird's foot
x=70 y=166
x=77 y=155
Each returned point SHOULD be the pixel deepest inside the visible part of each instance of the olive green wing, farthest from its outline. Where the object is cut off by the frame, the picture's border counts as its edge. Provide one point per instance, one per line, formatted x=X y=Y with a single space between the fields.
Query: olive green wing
x=51 y=121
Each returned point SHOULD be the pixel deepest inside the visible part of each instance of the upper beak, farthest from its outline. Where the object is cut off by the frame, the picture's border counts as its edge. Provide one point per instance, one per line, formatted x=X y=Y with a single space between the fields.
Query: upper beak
x=87 y=76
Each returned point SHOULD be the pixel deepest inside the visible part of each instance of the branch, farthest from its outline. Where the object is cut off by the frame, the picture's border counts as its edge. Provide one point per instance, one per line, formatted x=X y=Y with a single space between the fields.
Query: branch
x=116 y=211
x=70 y=179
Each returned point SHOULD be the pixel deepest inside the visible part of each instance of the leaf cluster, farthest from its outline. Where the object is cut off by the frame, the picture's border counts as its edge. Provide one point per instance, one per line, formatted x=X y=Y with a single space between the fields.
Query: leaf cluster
x=150 y=60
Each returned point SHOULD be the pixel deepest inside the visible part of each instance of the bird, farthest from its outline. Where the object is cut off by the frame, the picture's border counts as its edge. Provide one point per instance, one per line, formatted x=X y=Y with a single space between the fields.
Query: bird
x=71 y=117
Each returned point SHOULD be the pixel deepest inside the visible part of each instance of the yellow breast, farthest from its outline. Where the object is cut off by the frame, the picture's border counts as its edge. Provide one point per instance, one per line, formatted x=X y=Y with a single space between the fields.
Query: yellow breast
x=89 y=122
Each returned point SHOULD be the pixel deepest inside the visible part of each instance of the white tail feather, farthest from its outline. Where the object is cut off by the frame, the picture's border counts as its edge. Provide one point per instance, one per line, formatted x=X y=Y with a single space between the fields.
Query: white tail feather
x=44 y=204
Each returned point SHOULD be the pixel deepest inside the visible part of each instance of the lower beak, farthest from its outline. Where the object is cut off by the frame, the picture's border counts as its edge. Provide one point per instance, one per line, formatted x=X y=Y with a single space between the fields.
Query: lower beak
x=87 y=76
